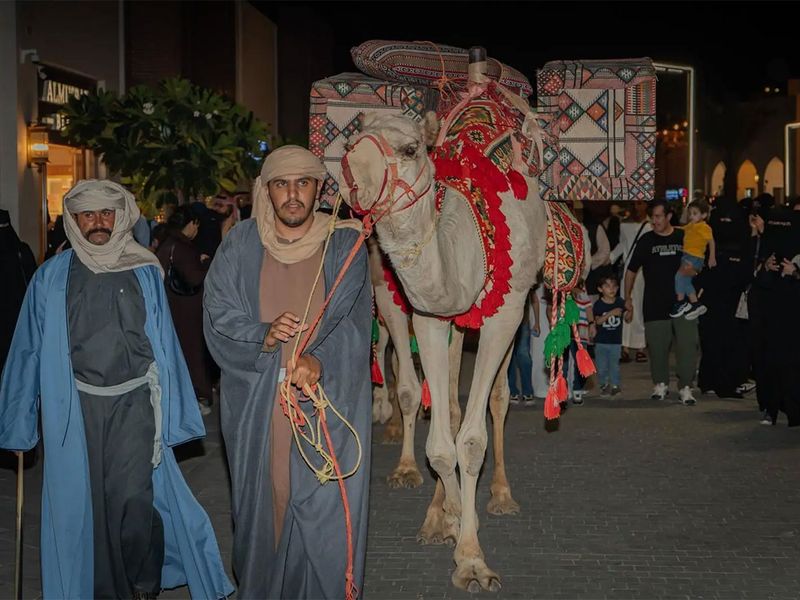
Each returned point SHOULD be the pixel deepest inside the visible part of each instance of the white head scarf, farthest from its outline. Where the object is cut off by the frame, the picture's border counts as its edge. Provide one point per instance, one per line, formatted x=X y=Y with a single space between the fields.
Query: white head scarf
x=121 y=252
x=291 y=161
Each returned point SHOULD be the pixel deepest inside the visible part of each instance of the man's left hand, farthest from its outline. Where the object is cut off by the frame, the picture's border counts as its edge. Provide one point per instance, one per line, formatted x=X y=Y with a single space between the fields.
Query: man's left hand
x=307 y=371
x=788 y=268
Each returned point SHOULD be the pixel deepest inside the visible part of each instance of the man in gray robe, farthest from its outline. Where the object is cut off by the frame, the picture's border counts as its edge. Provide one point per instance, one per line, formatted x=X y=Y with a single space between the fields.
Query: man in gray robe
x=289 y=530
x=95 y=353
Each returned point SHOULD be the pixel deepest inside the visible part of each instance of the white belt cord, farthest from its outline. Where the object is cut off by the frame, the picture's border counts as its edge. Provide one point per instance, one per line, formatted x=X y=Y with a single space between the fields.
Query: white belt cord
x=151 y=379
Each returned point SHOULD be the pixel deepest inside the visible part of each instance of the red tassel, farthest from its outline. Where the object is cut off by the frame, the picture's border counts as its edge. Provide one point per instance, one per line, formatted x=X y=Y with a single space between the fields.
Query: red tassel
x=585 y=363
x=552 y=407
x=377 y=376
x=561 y=388
x=426 y=395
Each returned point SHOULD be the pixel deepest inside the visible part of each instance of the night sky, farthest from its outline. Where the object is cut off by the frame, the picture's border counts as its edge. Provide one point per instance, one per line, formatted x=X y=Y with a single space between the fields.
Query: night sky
x=738 y=48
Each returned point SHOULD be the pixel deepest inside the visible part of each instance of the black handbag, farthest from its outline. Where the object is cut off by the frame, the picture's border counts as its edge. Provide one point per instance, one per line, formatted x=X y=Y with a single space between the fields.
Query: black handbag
x=175 y=283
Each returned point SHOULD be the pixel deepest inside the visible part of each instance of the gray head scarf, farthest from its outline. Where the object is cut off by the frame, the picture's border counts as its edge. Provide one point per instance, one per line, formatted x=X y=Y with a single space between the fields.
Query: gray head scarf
x=121 y=252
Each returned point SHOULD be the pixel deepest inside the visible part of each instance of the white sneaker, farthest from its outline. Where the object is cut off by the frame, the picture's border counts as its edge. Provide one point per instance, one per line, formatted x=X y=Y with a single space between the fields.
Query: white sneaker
x=686 y=396
x=660 y=391
x=746 y=387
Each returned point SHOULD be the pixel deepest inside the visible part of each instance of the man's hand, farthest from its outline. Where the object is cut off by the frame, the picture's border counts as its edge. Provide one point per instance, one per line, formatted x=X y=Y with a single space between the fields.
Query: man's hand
x=282 y=329
x=307 y=371
x=789 y=268
x=628 y=309
x=617 y=312
x=756 y=225
x=771 y=264
x=536 y=330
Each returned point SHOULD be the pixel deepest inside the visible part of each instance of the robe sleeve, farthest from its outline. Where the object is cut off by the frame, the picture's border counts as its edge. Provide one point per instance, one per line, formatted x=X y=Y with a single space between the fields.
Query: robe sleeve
x=235 y=339
x=19 y=387
x=345 y=341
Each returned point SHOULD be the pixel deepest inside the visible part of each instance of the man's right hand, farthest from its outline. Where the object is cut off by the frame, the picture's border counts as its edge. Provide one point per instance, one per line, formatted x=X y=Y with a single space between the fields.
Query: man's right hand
x=628 y=310
x=282 y=329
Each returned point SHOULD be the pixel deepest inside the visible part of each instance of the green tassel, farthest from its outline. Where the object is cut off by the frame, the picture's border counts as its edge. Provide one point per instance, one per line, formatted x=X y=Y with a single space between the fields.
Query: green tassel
x=571 y=312
x=557 y=341
x=376 y=332
x=414 y=345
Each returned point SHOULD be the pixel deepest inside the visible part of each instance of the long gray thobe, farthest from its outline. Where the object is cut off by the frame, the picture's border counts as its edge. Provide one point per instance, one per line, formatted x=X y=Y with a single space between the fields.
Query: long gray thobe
x=108 y=346
x=310 y=559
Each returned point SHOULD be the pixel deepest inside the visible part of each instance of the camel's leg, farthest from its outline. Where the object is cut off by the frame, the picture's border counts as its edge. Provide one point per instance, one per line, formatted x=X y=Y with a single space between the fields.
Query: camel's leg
x=471 y=572
x=501 y=503
x=381 y=407
x=456 y=347
x=435 y=528
x=440 y=524
x=409 y=392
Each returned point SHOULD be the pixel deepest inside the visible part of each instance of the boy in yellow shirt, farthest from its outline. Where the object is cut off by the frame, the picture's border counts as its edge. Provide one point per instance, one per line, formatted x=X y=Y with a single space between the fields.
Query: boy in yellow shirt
x=696 y=237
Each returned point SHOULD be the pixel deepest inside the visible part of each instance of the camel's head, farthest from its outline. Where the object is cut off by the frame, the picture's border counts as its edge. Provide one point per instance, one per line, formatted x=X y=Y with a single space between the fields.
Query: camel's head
x=387 y=162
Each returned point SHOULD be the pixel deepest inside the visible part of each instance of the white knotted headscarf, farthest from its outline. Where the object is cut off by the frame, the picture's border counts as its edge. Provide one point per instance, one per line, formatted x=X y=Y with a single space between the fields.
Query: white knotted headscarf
x=293 y=161
x=121 y=252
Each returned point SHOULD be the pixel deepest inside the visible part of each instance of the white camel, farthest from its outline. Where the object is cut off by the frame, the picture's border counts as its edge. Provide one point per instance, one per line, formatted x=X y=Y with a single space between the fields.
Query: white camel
x=439 y=260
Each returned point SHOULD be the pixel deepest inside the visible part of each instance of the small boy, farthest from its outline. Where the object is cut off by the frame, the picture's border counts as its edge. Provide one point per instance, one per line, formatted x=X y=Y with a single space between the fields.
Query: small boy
x=697 y=236
x=586 y=332
x=608 y=312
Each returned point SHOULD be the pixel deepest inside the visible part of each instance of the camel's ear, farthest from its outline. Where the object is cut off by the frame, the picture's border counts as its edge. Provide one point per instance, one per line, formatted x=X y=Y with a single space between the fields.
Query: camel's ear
x=430 y=128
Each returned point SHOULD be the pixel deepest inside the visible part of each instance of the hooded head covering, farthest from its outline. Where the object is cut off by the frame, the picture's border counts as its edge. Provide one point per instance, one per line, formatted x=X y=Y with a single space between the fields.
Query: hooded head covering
x=121 y=252
x=291 y=161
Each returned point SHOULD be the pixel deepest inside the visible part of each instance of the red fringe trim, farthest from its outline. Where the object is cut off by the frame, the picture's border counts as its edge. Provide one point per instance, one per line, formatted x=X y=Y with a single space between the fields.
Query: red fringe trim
x=426 y=395
x=377 y=376
x=482 y=173
x=398 y=295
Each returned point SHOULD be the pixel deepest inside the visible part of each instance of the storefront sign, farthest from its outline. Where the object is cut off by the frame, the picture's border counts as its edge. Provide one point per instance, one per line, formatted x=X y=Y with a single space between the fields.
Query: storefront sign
x=55 y=88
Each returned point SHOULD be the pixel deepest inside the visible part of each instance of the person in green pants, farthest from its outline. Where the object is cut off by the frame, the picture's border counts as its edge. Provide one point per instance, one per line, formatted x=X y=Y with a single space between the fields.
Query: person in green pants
x=658 y=256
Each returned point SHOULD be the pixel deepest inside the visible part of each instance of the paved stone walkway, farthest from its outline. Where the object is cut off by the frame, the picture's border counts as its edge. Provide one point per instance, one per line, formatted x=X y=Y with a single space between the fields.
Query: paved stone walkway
x=631 y=498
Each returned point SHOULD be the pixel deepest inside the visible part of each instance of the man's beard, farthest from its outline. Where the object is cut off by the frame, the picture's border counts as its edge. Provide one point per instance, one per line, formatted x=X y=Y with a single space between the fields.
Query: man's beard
x=294 y=220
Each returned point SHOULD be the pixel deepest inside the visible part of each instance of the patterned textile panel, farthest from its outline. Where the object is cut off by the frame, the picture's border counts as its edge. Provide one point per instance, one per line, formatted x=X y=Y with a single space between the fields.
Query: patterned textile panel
x=421 y=63
x=338 y=104
x=605 y=113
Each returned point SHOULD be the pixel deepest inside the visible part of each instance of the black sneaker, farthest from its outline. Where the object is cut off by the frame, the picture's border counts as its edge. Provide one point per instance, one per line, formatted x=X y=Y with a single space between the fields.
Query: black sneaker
x=514 y=399
x=577 y=397
x=528 y=401
x=615 y=390
x=679 y=309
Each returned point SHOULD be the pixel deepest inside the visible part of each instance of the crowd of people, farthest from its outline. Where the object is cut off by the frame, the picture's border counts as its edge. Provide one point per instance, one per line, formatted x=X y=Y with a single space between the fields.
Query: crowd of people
x=712 y=283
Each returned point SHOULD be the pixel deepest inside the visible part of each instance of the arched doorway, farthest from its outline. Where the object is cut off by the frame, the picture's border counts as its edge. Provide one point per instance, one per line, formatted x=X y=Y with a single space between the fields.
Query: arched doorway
x=718 y=179
x=773 y=179
x=747 y=181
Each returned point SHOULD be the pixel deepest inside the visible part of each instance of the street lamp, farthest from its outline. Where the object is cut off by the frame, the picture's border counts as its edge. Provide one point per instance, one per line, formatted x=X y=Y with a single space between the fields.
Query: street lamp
x=38 y=154
x=690 y=101
x=786 y=168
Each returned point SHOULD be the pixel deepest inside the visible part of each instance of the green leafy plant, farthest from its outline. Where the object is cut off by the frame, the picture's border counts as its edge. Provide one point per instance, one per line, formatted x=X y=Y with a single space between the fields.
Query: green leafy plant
x=175 y=142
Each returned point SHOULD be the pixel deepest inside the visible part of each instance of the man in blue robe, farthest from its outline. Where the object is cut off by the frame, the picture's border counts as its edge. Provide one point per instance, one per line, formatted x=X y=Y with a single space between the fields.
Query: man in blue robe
x=95 y=350
x=289 y=530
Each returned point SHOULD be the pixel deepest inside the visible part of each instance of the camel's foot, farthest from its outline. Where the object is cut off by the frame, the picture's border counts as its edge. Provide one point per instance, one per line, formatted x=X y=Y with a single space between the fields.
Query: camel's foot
x=473 y=575
x=381 y=409
x=405 y=476
x=392 y=434
x=439 y=528
x=502 y=504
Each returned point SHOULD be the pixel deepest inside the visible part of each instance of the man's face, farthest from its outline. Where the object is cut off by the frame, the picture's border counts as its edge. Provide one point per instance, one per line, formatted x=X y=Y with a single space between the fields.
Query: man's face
x=293 y=199
x=96 y=225
x=660 y=219
x=221 y=205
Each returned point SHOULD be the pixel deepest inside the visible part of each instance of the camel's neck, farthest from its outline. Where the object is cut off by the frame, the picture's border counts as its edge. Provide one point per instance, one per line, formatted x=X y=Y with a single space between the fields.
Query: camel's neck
x=438 y=259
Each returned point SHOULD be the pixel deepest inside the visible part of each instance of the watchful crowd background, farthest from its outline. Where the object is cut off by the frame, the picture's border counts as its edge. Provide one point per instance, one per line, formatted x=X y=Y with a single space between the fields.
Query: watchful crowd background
x=738 y=336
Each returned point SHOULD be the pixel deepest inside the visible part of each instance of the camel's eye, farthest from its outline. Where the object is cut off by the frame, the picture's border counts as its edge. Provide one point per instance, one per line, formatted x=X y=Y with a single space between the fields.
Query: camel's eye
x=410 y=151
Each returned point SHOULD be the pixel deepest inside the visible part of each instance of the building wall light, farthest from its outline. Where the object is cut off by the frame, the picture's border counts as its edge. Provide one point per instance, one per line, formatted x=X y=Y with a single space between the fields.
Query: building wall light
x=38 y=145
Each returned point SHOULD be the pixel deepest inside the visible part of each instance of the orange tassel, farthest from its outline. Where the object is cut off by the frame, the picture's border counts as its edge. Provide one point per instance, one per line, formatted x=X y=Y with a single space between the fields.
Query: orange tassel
x=561 y=388
x=426 y=395
x=585 y=362
x=552 y=407
x=377 y=376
